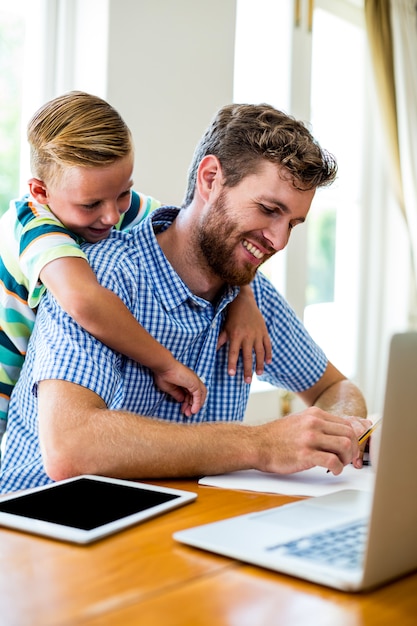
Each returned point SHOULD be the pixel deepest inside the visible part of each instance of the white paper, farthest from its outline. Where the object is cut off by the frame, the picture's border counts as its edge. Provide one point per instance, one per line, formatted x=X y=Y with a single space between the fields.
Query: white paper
x=312 y=482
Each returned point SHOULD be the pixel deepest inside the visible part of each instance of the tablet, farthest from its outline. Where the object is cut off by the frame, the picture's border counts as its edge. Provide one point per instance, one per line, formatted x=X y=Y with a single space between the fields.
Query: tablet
x=87 y=508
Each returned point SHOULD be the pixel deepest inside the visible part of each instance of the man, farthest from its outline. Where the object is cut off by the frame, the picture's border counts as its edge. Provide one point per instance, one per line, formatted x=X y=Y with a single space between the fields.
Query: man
x=80 y=408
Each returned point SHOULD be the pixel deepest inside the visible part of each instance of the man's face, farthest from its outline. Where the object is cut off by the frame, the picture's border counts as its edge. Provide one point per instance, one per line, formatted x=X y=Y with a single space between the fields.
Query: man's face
x=245 y=225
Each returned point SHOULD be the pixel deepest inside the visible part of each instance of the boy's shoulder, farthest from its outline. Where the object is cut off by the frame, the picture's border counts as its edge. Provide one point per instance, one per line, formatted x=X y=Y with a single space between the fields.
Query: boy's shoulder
x=25 y=210
x=141 y=206
x=26 y=219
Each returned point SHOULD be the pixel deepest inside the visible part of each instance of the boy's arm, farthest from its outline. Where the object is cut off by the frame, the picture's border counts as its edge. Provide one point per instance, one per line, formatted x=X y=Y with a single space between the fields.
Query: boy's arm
x=101 y=312
x=245 y=329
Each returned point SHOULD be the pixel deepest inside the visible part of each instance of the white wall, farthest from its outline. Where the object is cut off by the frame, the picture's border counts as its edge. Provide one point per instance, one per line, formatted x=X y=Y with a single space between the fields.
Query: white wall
x=170 y=67
x=166 y=66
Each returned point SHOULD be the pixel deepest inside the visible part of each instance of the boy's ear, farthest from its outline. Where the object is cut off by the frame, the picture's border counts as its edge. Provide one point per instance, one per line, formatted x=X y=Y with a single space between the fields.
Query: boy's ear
x=209 y=176
x=38 y=190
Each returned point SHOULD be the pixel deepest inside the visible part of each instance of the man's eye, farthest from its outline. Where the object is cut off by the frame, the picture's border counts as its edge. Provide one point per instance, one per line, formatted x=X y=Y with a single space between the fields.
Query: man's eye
x=267 y=209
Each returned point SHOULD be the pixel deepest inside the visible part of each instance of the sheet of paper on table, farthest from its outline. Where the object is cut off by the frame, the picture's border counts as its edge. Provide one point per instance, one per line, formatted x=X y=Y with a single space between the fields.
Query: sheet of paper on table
x=312 y=482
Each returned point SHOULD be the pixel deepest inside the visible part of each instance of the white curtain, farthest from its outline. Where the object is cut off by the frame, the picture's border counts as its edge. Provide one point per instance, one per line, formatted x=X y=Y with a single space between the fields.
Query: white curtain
x=384 y=259
x=389 y=246
x=404 y=41
x=392 y=34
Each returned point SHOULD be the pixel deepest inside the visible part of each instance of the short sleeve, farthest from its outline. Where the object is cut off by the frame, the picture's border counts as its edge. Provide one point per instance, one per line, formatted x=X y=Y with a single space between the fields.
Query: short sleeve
x=41 y=244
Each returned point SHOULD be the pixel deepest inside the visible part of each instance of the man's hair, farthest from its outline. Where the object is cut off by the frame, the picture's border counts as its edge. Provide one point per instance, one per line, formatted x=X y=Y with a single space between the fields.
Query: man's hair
x=76 y=129
x=243 y=136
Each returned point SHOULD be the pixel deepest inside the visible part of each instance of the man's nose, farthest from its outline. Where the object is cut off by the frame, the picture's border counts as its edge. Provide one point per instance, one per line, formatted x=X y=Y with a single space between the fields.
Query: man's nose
x=278 y=235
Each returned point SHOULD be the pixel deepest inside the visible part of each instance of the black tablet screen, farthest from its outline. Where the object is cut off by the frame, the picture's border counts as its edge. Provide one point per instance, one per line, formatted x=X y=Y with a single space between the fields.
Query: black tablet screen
x=84 y=503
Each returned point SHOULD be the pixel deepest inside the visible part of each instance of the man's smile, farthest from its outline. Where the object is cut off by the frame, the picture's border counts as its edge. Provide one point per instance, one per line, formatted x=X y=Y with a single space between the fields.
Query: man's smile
x=250 y=247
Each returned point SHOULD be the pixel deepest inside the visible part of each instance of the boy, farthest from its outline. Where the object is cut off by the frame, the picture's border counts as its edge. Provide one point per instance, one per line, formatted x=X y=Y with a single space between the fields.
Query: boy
x=82 y=162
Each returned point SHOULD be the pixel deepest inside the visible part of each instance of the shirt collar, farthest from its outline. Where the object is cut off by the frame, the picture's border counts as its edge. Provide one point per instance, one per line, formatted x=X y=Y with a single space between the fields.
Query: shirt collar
x=171 y=289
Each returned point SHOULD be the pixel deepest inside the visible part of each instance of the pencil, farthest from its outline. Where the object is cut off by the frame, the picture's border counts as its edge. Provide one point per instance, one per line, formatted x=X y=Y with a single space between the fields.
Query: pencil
x=368 y=432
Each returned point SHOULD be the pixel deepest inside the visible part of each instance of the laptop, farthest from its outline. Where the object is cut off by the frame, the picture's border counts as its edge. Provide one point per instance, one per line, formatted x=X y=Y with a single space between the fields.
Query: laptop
x=350 y=540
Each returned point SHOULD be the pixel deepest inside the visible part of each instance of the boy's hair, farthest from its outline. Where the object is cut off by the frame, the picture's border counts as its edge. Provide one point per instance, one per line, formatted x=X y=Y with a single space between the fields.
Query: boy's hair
x=76 y=129
x=242 y=136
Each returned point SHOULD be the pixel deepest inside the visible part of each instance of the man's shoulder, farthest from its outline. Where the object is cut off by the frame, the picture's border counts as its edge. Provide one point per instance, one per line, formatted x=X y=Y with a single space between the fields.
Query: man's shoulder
x=121 y=247
x=117 y=244
x=265 y=290
x=140 y=237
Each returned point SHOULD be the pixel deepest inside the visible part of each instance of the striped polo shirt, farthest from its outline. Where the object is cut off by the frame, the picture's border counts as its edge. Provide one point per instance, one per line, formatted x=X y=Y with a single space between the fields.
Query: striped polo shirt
x=30 y=237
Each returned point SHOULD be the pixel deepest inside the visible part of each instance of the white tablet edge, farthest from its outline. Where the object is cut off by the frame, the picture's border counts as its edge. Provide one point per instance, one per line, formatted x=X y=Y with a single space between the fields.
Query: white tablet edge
x=76 y=535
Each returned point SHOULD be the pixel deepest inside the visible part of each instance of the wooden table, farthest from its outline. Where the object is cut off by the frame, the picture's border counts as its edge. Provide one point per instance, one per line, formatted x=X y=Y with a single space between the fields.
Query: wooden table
x=142 y=576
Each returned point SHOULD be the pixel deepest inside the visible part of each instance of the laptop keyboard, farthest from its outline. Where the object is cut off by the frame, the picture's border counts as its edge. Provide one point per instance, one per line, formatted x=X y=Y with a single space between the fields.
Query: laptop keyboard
x=341 y=547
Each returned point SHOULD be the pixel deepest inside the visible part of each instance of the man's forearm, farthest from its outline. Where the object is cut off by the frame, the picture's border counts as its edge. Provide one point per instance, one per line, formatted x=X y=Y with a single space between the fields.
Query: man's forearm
x=342 y=398
x=79 y=435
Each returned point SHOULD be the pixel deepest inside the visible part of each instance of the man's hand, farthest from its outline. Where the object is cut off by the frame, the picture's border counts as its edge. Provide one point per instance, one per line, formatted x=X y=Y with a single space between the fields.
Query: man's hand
x=312 y=437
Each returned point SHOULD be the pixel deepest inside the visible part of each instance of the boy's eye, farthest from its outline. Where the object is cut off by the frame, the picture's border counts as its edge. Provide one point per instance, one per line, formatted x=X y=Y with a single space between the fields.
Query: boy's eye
x=126 y=193
x=91 y=206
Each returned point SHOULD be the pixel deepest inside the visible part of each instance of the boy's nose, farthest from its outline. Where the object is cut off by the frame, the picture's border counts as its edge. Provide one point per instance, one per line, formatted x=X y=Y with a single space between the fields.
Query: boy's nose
x=111 y=214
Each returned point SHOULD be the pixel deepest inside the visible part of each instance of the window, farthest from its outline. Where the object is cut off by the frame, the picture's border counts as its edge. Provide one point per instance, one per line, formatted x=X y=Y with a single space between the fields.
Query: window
x=12 y=34
x=337 y=106
x=26 y=30
x=309 y=62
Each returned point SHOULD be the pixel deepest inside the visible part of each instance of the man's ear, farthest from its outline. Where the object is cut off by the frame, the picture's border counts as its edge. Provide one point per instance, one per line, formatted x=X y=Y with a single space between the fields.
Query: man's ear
x=38 y=190
x=209 y=176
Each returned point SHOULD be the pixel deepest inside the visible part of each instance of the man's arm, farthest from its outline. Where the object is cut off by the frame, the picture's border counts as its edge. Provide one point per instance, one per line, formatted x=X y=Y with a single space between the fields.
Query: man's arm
x=336 y=394
x=79 y=434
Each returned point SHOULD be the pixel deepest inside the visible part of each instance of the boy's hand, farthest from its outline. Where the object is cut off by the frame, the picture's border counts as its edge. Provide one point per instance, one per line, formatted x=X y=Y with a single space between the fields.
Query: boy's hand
x=183 y=385
x=245 y=329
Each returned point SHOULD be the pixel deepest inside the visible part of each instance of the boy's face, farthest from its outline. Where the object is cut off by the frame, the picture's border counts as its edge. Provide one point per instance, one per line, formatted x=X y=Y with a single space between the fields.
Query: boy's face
x=90 y=200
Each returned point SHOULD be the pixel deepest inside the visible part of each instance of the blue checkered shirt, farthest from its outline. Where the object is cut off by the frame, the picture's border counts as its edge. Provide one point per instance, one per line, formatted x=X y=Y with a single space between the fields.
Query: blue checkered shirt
x=133 y=265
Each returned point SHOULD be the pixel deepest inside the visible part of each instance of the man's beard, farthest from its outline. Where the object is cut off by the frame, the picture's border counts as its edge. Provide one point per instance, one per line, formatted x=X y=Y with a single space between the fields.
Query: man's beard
x=218 y=243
